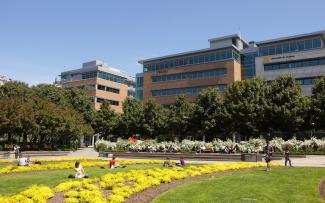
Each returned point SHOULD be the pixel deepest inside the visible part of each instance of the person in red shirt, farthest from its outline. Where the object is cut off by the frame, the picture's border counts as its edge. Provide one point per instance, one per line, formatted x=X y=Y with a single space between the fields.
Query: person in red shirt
x=112 y=163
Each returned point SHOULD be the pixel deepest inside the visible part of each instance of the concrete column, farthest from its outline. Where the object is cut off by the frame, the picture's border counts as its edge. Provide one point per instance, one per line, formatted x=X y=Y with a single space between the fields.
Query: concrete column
x=93 y=141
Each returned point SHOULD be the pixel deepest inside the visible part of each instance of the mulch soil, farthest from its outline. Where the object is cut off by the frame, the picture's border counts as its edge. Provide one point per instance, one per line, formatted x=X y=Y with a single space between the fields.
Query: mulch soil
x=322 y=189
x=149 y=194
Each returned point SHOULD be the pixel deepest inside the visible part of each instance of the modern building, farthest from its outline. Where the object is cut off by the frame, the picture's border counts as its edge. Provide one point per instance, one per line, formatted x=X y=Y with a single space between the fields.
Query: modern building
x=139 y=86
x=188 y=73
x=230 y=58
x=102 y=82
x=301 y=56
x=3 y=79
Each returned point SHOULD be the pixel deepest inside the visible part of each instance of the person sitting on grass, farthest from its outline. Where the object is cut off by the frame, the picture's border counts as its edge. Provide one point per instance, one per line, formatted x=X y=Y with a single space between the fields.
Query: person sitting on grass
x=80 y=172
x=181 y=162
x=112 y=164
x=167 y=163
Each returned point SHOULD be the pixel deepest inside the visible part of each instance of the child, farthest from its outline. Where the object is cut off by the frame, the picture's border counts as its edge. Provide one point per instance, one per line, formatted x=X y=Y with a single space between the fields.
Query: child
x=80 y=173
x=167 y=163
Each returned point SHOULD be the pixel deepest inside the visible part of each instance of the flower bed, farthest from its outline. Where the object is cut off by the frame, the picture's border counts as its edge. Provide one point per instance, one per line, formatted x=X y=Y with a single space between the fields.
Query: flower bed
x=252 y=145
x=121 y=184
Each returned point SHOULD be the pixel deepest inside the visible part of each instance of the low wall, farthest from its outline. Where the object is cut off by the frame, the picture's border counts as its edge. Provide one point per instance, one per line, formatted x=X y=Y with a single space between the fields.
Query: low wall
x=11 y=154
x=192 y=156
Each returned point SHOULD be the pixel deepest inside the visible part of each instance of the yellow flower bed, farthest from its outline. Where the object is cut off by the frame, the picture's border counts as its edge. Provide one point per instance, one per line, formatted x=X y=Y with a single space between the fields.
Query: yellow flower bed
x=121 y=184
x=34 y=194
x=67 y=165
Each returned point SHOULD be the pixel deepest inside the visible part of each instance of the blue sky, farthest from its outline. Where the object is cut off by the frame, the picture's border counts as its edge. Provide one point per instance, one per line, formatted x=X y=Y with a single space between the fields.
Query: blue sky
x=39 y=39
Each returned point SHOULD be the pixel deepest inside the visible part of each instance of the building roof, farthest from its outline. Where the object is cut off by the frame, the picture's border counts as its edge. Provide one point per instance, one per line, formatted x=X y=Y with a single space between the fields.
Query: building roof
x=185 y=54
x=311 y=34
x=228 y=37
x=100 y=67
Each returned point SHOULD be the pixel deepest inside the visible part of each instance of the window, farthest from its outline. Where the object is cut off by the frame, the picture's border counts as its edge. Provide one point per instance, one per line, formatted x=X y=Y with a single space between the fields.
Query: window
x=295 y=64
x=279 y=49
x=293 y=46
x=308 y=44
x=317 y=43
x=301 y=45
x=101 y=87
x=271 y=50
x=188 y=90
x=285 y=48
x=190 y=75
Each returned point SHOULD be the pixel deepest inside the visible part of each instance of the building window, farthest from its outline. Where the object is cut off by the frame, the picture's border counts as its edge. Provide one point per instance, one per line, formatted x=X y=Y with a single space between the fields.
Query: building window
x=295 y=64
x=209 y=57
x=188 y=90
x=220 y=72
x=111 y=102
x=293 y=46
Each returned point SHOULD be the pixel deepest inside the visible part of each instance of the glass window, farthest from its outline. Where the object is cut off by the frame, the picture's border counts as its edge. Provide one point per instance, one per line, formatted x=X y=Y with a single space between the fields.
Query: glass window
x=206 y=59
x=212 y=57
x=293 y=46
x=196 y=59
x=217 y=56
x=317 y=43
x=271 y=50
x=201 y=59
x=191 y=61
x=264 y=51
x=285 y=48
x=185 y=61
x=308 y=44
x=279 y=49
x=301 y=45
x=181 y=62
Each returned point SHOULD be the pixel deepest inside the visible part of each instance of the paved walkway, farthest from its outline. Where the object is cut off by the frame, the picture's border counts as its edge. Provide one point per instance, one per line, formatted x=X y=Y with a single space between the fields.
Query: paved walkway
x=89 y=152
x=310 y=160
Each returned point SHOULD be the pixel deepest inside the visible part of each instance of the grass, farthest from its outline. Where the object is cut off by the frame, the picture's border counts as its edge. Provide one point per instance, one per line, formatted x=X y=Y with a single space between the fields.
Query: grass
x=14 y=183
x=278 y=185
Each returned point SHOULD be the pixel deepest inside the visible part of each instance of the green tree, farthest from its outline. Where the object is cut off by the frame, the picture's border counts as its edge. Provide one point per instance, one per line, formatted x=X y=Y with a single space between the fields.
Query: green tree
x=318 y=104
x=247 y=102
x=289 y=106
x=15 y=88
x=106 y=121
x=209 y=113
x=132 y=117
x=81 y=102
x=155 y=119
x=179 y=118
x=51 y=93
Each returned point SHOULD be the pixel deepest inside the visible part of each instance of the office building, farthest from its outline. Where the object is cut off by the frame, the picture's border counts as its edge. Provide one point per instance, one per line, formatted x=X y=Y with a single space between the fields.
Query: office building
x=300 y=56
x=231 y=58
x=188 y=73
x=102 y=83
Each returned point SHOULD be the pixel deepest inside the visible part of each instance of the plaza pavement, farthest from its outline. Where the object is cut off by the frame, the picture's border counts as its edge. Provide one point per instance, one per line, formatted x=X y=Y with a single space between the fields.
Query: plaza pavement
x=309 y=161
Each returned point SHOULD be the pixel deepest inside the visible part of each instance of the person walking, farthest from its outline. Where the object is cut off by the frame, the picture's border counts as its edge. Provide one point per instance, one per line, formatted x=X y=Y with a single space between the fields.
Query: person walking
x=16 y=151
x=268 y=155
x=287 y=156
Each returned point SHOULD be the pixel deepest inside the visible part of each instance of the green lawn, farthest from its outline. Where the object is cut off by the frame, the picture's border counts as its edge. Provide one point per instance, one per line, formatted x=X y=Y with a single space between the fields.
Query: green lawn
x=278 y=185
x=14 y=183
